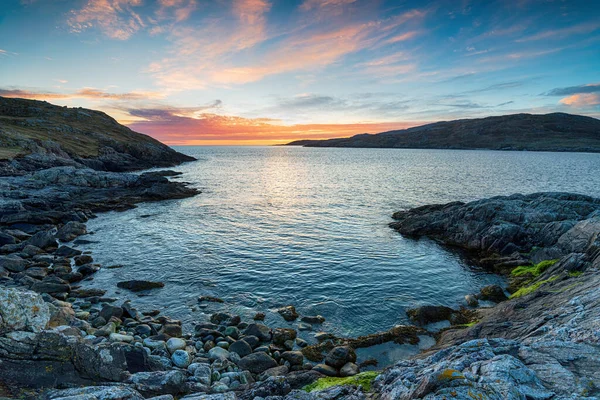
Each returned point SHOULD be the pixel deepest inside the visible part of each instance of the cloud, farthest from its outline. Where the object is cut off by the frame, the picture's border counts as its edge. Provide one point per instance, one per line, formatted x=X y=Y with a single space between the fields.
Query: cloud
x=312 y=4
x=310 y=101
x=565 y=91
x=119 y=19
x=115 y=18
x=562 y=33
x=85 y=93
x=207 y=128
x=582 y=100
x=497 y=86
x=199 y=61
x=402 y=37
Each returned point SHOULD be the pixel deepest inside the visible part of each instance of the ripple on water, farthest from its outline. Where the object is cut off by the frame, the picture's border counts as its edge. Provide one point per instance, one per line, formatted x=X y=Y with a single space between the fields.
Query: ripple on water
x=279 y=225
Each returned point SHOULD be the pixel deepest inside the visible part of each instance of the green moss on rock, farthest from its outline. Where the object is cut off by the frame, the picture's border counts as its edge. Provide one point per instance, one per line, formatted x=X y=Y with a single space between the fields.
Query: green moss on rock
x=364 y=379
x=533 y=270
x=532 y=288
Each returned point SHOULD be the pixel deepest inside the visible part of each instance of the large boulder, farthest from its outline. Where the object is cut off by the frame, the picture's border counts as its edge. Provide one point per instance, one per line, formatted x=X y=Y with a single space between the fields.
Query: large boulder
x=257 y=363
x=43 y=240
x=429 y=314
x=13 y=263
x=262 y=332
x=70 y=231
x=94 y=393
x=138 y=286
x=159 y=382
x=241 y=347
x=22 y=310
x=339 y=356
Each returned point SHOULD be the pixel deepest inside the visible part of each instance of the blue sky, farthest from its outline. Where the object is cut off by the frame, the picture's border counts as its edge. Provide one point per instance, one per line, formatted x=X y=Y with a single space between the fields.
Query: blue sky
x=267 y=71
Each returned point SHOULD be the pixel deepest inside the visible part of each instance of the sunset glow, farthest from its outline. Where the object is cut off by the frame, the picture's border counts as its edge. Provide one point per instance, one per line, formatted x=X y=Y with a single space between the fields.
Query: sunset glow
x=268 y=72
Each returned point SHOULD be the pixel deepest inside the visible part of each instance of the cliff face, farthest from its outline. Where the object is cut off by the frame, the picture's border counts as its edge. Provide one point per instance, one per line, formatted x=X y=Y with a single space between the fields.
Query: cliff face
x=549 y=132
x=36 y=135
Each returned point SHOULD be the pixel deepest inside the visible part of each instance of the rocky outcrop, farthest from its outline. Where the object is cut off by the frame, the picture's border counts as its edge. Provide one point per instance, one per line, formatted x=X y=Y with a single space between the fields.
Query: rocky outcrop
x=532 y=227
x=37 y=135
x=548 y=132
x=541 y=343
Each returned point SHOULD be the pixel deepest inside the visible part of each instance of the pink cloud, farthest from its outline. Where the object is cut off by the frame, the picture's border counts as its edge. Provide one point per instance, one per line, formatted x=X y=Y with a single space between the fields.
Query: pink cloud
x=581 y=100
x=208 y=128
x=84 y=93
x=199 y=61
x=564 y=32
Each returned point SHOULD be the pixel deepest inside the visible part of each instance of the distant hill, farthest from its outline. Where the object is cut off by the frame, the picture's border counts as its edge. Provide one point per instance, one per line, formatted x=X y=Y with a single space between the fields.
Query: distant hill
x=36 y=134
x=548 y=132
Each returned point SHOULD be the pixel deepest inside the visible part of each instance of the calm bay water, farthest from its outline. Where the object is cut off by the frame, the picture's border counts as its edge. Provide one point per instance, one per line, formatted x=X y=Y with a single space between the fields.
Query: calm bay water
x=286 y=225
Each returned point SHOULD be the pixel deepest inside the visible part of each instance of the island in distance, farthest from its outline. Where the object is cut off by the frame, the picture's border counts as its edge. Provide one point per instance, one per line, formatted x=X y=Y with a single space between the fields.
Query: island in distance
x=547 y=132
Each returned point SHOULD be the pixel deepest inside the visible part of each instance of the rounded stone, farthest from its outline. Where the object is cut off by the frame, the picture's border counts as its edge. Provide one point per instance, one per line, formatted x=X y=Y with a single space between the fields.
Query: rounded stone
x=218 y=353
x=175 y=344
x=181 y=358
x=241 y=347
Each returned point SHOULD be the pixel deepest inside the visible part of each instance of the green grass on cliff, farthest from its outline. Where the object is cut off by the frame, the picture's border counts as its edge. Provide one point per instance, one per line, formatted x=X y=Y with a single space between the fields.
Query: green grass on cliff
x=532 y=288
x=364 y=379
x=533 y=270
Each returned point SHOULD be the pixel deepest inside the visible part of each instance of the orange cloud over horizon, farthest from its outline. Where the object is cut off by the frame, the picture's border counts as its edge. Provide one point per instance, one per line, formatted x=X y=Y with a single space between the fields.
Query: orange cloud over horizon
x=212 y=129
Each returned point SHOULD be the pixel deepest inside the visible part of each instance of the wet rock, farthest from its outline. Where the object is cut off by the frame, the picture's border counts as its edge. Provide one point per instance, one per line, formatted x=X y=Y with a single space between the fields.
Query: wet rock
x=70 y=231
x=13 y=263
x=281 y=370
x=253 y=341
x=218 y=353
x=288 y=313
x=257 y=363
x=259 y=316
x=116 y=337
x=262 y=332
x=241 y=347
x=293 y=357
x=109 y=311
x=471 y=300
x=5 y=238
x=493 y=293
x=281 y=335
x=66 y=251
x=299 y=379
x=88 y=269
x=159 y=382
x=94 y=393
x=181 y=358
x=273 y=386
x=61 y=313
x=325 y=369
x=314 y=319
x=51 y=286
x=339 y=356
x=43 y=240
x=428 y=314
x=322 y=336
x=139 y=285
x=349 y=369
x=87 y=292
x=172 y=329
x=174 y=344
x=83 y=259
x=203 y=374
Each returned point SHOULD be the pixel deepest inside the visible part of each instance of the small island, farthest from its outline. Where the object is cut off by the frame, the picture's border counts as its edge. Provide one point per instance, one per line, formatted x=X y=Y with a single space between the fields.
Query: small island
x=530 y=132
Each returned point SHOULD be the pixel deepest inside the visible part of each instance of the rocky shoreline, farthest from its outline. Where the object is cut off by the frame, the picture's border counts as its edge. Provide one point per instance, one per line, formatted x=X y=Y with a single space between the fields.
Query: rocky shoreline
x=59 y=340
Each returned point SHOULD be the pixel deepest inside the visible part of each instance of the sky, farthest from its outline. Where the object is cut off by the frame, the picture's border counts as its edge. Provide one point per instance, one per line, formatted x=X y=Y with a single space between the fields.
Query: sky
x=226 y=72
